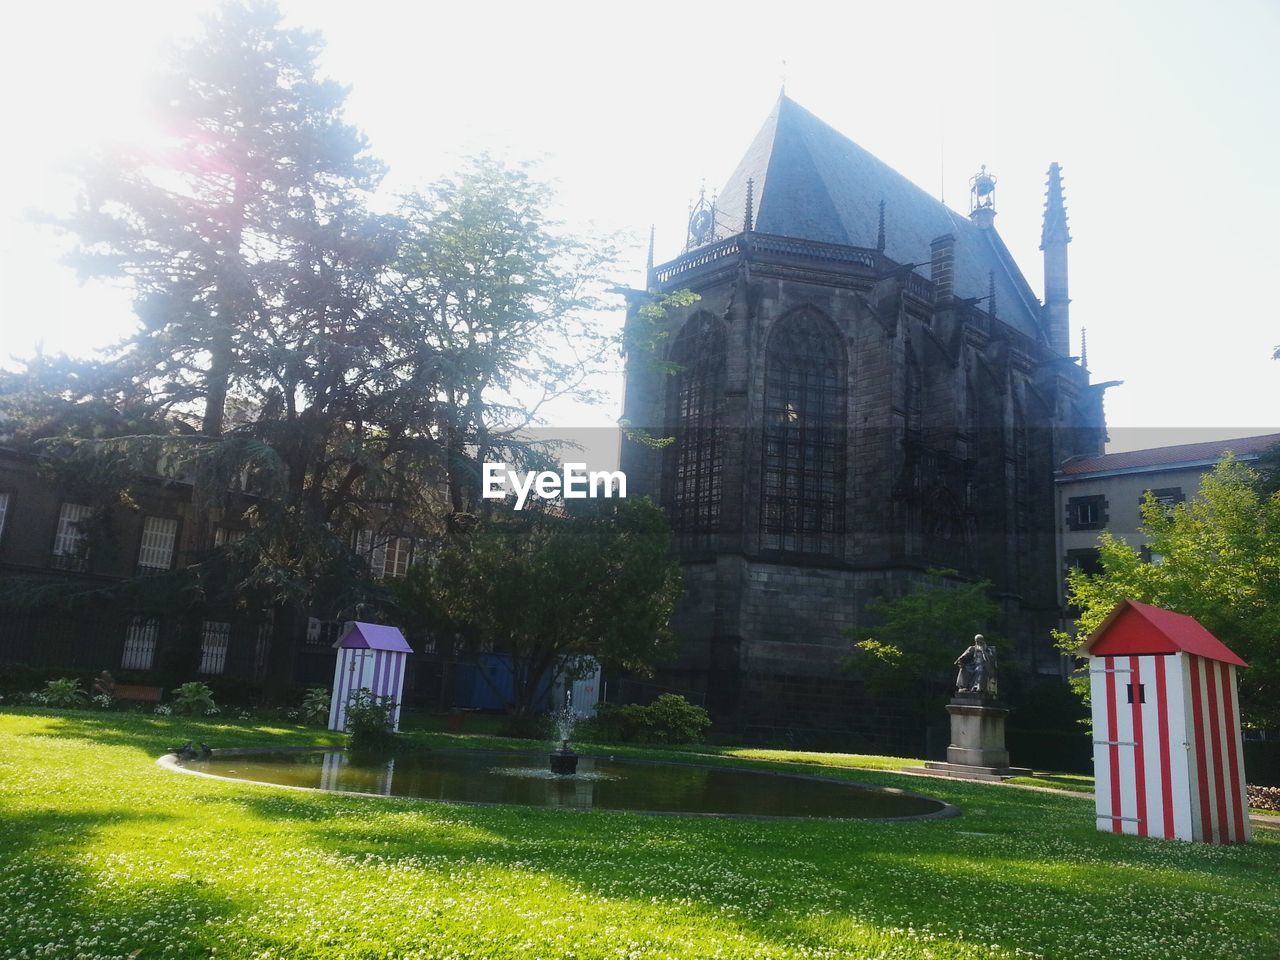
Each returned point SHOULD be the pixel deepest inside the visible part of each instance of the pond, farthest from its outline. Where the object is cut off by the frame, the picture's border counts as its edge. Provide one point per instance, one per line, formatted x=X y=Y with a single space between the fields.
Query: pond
x=601 y=783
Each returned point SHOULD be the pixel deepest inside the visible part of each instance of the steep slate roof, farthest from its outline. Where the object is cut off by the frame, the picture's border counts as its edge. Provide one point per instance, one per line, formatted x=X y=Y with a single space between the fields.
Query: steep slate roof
x=372 y=636
x=1134 y=628
x=814 y=183
x=1183 y=454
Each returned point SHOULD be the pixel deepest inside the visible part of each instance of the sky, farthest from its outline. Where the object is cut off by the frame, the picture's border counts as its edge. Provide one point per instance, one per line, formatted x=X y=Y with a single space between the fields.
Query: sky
x=1165 y=117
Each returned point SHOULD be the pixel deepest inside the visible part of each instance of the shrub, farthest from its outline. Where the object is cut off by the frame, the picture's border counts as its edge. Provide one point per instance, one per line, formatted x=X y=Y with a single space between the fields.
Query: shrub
x=64 y=692
x=669 y=719
x=315 y=706
x=194 y=699
x=369 y=720
x=528 y=726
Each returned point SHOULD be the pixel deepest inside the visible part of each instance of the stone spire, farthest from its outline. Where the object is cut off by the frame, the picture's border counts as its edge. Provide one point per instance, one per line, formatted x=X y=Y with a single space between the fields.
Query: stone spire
x=1055 y=211
x=748 y=216
x=648 y=263
x=1054 y=238
x=880 y=229
x=1084 y=347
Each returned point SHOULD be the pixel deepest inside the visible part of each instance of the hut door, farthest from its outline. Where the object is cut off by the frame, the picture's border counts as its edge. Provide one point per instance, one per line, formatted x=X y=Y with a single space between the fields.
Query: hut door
x=1138 y=764
x=360 y=664
x=1119 y=693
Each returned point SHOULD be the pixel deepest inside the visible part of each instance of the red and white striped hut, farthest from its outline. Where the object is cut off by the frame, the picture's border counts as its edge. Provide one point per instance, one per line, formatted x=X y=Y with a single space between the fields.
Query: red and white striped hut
x=1167 y=755
x=370 y=657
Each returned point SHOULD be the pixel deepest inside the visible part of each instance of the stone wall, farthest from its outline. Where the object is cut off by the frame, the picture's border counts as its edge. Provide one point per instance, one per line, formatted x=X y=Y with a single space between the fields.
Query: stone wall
x=963 y=481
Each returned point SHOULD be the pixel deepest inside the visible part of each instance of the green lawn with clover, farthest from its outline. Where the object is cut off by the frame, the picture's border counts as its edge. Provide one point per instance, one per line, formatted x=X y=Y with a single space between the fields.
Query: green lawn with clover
x=105 y=854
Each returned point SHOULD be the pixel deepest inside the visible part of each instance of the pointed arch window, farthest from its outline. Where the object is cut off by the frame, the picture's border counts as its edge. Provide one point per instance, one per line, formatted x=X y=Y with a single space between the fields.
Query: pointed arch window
x=914 y=396
x=697 y=396
x=803 y=493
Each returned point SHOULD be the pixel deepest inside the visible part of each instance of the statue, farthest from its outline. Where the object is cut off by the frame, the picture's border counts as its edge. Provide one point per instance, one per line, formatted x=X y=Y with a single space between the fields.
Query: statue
x=977 y=668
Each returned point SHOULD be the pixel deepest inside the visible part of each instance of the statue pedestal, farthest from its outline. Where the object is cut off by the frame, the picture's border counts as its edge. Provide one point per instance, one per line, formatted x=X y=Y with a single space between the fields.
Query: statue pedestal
x=977 y=733
x=977 y=750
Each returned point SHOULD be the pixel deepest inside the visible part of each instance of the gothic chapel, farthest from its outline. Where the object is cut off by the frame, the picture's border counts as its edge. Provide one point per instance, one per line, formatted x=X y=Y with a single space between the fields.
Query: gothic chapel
x=866 y=389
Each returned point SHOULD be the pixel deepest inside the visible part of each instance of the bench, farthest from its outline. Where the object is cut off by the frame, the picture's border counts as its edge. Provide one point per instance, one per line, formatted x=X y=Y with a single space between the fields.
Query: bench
x=138 y=694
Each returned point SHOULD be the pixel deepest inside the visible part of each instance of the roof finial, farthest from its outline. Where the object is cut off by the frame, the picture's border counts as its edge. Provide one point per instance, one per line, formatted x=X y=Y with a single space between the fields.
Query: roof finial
x=1084 y=347
x=784 y=77
x=748 y=217
x=982 y=198
x=880 y=228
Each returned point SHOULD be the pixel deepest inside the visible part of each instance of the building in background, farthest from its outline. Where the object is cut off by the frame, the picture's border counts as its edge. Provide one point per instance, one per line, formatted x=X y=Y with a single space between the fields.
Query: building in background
x=1106 y=492
x=57 y=532
x=867 y=388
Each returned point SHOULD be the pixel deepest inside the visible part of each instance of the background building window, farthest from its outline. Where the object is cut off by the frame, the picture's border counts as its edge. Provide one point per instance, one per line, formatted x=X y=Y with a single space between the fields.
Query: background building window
x=1086 y=560
x=224 y=535
x=323 y=633
x=159 y=534
x=140 y=644
x=71 y=542
x=699 y=352
x=396 y=557
x=1167 y=497
x=1087 y=513
x=215 y=638
x=388 y=557
x=803 y=494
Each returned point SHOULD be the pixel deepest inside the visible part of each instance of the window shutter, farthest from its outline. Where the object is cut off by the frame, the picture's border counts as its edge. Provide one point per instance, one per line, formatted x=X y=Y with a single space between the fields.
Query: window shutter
x=69 y=543
x=159 y=534
x=140 y=644
x=215 y=638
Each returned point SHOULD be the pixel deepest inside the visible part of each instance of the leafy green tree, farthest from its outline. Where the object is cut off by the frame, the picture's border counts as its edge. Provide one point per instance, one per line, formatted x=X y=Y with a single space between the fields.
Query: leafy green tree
x=545 y=588
x=911 y=653
x=332 y=369
x=1268 y=469
x=500 y=315
x=1215 y=557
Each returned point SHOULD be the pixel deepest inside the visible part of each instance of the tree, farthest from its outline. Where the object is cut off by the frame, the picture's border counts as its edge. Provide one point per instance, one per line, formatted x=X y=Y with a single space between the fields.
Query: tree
x=1267 y=467
x=501 y=309
x=1215 y=557
x=546 y=588
x=215 y=228
x=911 y=653
x=340 y=371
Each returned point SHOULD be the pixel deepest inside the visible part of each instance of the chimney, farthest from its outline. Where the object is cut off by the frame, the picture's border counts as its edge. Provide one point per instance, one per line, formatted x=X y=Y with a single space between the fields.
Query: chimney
x=942 y=268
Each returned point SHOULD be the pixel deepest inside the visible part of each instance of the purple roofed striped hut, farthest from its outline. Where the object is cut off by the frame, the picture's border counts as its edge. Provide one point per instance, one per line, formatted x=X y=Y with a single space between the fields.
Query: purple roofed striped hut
x=370 y=657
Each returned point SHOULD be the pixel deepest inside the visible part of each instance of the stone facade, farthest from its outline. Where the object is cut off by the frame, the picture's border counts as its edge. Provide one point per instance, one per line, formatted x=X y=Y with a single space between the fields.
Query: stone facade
x=853 y=422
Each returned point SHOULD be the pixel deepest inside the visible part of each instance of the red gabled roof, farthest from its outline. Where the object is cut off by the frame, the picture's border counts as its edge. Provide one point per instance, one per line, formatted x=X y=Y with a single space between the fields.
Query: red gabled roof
x=1169 y=456
x=1134 y=628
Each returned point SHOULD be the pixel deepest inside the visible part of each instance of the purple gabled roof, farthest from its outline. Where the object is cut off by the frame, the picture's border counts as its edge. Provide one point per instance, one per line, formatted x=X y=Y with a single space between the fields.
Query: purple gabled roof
x=372 y=636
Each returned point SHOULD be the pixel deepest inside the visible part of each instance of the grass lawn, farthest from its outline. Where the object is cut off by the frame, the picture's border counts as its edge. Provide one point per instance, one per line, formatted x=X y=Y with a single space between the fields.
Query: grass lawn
x=104 y=854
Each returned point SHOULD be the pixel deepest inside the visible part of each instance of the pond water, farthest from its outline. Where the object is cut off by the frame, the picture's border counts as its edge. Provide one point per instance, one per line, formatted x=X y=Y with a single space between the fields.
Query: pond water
x=600 y=783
